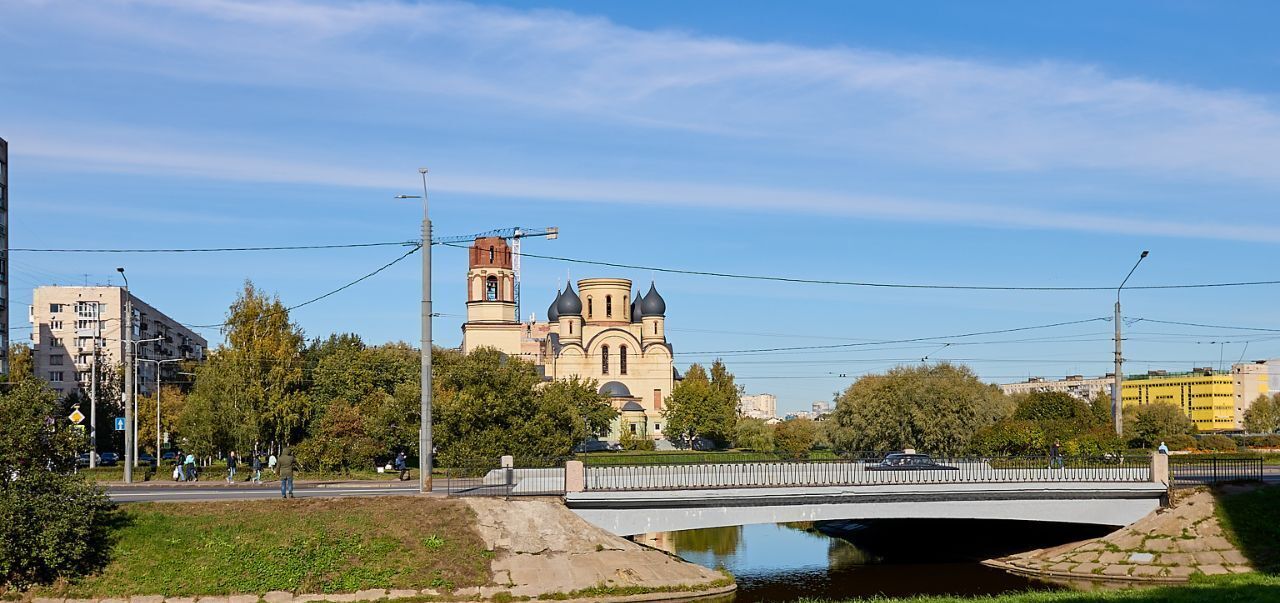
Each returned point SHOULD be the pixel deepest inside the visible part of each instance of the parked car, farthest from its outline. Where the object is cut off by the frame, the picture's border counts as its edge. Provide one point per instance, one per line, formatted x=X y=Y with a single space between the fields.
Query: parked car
x=169 y=455
x=592 y=446
x=702 y=444
x=901 y=461
x=83 y=459
x=146 y=459
x=108 y=459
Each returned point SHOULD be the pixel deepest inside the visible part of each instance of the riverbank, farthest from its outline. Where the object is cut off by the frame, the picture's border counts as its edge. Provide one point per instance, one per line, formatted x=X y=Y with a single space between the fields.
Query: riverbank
x=395 y=547
x=1246 y=588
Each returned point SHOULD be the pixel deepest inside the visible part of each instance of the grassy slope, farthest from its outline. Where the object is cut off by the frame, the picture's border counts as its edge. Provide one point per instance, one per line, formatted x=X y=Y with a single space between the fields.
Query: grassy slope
x=1250 y=519
x=304 y=545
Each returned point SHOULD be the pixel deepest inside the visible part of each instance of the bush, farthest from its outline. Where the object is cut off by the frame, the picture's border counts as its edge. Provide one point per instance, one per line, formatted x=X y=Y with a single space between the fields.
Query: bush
x=53 y=523
x=1266 y=441
x=1181 y=442
x=753 y=434
x=629 y=441
x=1217 y=443
x=794 y=439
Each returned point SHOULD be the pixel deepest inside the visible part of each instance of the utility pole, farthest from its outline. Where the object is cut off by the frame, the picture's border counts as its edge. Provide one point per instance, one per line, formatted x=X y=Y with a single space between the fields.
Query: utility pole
x=128 y=381
x=93 y=399
x=425 y=444
x=1117 y=407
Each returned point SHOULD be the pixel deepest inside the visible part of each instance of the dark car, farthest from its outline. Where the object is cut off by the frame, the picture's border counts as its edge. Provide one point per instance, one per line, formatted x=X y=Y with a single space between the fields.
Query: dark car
x=83 y=459
x=108 y=459
x=146 y=459
x=592 y=446
x=901 y=461
x=169 y=455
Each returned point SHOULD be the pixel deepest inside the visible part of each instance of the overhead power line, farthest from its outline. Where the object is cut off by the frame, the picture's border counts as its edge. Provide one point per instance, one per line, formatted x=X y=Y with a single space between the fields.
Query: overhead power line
x=223 y=249
x=320 y=297
x=789 y=279
x=1196 y=324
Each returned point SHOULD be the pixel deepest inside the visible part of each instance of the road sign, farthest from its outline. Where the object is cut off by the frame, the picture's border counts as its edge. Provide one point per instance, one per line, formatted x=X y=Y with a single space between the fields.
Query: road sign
x=119 y=423
x=76 y=416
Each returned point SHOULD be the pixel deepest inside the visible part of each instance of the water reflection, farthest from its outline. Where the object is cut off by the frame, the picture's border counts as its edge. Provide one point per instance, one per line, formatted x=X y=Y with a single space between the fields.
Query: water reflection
x=781 y=562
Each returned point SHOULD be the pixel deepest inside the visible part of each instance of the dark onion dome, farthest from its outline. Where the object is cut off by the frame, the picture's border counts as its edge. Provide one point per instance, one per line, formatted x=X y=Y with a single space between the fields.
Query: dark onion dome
x=613 y=389
x=636 y=313
x=653 y=304
x=568 y=304
x=552 y=313
x=632 y=406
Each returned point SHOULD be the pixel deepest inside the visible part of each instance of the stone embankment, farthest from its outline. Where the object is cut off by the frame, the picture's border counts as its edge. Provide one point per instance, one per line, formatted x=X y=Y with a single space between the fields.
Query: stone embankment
x=1168 y=546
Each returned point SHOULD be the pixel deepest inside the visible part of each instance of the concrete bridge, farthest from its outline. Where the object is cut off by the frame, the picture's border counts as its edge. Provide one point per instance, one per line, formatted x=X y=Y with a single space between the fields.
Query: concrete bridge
x=635 y=500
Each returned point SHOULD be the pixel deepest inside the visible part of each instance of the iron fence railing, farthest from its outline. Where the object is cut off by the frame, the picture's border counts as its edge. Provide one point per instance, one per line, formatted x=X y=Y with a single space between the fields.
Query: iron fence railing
x=844 y=472
x=487 y=477
x=1191 y=471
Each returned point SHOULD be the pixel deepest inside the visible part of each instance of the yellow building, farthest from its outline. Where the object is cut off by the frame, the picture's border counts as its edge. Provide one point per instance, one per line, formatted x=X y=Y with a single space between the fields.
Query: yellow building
x=1208 y=397
x=597 y=332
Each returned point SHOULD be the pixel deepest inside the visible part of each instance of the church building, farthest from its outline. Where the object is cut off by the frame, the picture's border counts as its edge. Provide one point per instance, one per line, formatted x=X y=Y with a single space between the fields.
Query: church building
x=601 y=332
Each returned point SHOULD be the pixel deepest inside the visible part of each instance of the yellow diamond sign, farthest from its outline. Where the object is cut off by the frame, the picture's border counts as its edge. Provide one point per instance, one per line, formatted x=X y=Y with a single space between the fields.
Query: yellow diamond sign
x=76 y=416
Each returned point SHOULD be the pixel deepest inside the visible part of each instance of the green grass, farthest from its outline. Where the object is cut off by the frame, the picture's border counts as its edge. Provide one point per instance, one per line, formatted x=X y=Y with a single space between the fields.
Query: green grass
x=1251 y=521
x=1244 y=588
x=302 y=546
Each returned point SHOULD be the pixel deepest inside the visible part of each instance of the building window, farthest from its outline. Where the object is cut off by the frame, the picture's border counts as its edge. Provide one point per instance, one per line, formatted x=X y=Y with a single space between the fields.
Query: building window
x=491 y=288
x=571 y=327
x=491 y=254
x=655 y=328
x=55 y=308
x=657 y=426
x=86 y=309
x=657 y=399
x=590 y=306
x=86 y=324
x=633 y=429
x=604 y=360
x=84 y=376
x=55 y=376
x=55 y=360
x=622 y=360
x=55 y=325
x=608 y=306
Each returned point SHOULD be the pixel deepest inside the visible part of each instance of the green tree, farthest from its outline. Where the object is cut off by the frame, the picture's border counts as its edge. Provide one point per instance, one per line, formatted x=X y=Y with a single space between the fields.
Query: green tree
x=488 y=405
x=1264 y=415
x=53 y=523
x=753 y=434
x=702 y=406
x=252 y=387
x=21 y=363
x=1044 y=407
x=341 y=440
x=172 y=401
x=794 y=439
x=1150 y=424
x=936 y=408
x=1100 y=408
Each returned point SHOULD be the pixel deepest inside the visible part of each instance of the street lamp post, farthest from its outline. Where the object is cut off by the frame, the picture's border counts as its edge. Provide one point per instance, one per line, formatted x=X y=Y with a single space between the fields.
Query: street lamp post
x=159 y=387
x=128 y=382
x=1117 y=410
x=424 y=431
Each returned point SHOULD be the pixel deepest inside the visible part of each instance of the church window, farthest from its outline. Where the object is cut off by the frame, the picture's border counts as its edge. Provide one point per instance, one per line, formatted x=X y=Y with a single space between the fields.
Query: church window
x=608 y=306
x=491 y=254
x=622 y=360
x=633 y=429
x=655 y=328
x=590 y=306
x=604 y=360
x=491 y=289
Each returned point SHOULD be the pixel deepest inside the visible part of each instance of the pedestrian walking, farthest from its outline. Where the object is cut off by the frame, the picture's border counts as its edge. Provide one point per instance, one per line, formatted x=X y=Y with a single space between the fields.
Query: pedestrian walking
x=189 y=465
x=231 y=467
x=1055 y=455
x=402 y=466
x=256 y=465
x=284 y=465
x=271 y=464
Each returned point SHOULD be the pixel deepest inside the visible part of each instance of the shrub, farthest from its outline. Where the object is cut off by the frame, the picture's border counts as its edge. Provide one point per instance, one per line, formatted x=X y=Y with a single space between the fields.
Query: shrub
x=1266 y=441
x=53 y=523
x=630 y=441
x=1217 y=443
x=1181 y=441
x=795 y=438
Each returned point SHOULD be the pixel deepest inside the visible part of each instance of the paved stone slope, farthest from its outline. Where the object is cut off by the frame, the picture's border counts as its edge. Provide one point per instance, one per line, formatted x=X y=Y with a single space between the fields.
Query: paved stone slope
x=1169 y=545
x=542 y=548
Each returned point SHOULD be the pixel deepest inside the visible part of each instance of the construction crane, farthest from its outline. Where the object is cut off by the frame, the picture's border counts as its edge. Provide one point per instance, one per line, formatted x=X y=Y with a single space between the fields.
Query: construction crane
x=515 y=234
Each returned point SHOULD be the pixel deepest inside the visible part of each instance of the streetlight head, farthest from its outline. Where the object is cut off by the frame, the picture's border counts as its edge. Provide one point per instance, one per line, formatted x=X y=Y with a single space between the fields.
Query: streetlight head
x=120 y=270
x=1144 y=254
x=422 y=170
x=408 y=196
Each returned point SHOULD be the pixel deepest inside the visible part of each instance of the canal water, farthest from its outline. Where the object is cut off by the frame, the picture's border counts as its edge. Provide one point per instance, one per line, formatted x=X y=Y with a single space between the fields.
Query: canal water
x=833 y=560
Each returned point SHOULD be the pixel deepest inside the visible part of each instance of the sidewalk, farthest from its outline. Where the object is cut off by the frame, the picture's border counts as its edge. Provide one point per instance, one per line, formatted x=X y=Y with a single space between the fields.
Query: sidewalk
x=265 y=485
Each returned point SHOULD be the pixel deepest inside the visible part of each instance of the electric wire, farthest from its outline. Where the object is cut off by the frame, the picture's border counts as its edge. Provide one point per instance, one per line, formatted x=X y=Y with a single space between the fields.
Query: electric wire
x=222 y=249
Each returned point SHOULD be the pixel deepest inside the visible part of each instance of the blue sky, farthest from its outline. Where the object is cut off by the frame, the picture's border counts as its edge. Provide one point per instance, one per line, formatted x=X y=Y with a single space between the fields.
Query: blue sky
x=996 y=143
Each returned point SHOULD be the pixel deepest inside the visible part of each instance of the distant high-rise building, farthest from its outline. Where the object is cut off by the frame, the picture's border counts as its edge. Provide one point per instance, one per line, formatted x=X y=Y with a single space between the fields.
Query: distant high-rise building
x=65 y=321
x=758 y=406
x=4 y=257
x=821 y=408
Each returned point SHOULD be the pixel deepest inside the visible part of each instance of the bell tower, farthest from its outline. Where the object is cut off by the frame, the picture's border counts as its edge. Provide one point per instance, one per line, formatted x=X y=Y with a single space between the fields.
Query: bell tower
x=491 y=294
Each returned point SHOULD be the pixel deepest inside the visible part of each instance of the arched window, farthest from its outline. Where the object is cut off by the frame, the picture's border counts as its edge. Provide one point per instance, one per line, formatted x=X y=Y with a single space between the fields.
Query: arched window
x=491 y=254
x=604 y=360
x=491 y=288
x=608 y=306
x=655 y=328
x=622 y=360
x=589 y=306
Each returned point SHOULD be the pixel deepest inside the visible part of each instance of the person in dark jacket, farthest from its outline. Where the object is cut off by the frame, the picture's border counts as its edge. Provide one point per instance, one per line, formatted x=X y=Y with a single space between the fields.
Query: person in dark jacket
x=231 y=467
x=402 y=466
x=256 y=465
x=284 y=465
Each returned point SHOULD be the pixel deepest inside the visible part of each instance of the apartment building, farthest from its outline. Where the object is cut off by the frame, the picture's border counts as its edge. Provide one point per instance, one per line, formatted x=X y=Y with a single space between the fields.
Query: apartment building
x=68 y=322
x=4 y=257
x=1075 y=385
x=758 y=406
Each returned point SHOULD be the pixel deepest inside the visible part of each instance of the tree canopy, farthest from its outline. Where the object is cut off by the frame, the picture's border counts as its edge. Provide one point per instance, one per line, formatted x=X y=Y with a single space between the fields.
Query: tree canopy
x=1263 y=416
x=702 y=405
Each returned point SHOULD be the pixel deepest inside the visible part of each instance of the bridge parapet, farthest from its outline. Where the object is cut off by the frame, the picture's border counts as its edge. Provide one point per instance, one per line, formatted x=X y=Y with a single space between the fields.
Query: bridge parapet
x=768 y=474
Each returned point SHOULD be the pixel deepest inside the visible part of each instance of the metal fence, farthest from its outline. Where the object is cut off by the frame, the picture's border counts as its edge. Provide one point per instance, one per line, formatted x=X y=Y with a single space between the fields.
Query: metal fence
x=1191 y=471
x=487 y=477
x=764 y=474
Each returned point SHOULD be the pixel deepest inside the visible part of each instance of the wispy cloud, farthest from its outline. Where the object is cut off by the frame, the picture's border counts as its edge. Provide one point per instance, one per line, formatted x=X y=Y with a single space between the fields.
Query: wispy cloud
x=919 y=111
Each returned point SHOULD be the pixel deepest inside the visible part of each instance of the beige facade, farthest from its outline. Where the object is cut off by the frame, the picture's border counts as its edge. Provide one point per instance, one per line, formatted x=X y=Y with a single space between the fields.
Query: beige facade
x=1250 y=381
x=598 y=332
x=65 y=322
x=1075 y=385
x=758 y=406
